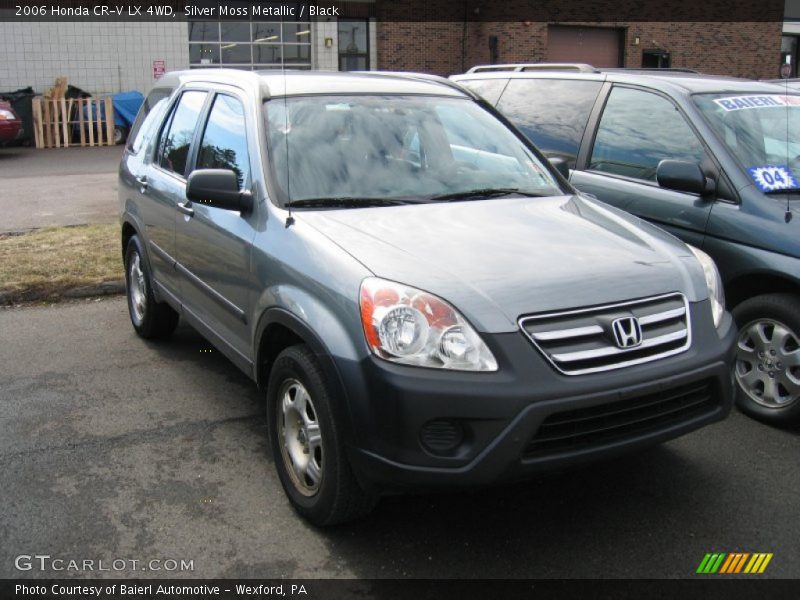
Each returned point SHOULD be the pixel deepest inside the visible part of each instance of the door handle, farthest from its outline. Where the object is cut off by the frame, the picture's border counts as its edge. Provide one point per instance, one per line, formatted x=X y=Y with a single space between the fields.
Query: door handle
x=142 y=181
x=187 y=210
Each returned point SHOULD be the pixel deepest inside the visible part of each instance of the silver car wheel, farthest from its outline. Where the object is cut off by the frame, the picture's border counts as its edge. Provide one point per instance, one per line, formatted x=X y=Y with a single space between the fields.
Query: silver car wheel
x=300 y=437
x=137 y=288
x=768 y=363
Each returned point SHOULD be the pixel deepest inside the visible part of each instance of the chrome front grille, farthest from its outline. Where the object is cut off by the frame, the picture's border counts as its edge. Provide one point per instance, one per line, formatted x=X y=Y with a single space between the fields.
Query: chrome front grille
x=583 y=340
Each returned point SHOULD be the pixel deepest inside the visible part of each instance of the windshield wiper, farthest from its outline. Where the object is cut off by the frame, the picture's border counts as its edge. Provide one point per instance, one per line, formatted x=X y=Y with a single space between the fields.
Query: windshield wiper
x=482 y=193
x=345 y=202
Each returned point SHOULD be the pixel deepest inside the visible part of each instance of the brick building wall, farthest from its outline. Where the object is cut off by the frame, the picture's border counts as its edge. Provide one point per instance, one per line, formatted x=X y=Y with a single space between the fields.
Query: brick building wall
x=433 y=47
x=722 y=48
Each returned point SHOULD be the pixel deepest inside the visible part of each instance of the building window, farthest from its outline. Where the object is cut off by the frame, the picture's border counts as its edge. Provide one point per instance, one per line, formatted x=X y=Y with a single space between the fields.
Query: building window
x=250 y=44
x=655 y=59
x=354 y=45
x=789 y=53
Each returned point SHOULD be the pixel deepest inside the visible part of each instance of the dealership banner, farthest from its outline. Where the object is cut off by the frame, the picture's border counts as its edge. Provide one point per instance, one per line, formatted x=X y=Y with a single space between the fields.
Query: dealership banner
x=399 y=589
x=553 y=11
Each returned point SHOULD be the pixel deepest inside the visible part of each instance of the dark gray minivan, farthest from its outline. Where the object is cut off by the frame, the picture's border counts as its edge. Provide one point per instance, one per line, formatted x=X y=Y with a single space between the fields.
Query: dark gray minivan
x=714 y=160
x=424 y=300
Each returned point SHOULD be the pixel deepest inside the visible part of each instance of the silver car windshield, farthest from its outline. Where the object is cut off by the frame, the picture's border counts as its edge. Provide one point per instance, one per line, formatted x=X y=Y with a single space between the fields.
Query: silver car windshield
x=762 y=131
x=396 y=148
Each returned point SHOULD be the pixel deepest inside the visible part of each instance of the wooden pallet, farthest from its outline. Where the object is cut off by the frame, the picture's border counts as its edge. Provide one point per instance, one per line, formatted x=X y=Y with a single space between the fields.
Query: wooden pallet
x=59 y=89
x=54 y=121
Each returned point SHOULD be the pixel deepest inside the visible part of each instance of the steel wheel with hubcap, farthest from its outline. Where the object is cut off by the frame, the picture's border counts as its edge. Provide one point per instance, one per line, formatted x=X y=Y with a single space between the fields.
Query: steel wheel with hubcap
x=300 y=436
x=767 y=367
x=138 y=288
x=150 y=318
x=307 y=440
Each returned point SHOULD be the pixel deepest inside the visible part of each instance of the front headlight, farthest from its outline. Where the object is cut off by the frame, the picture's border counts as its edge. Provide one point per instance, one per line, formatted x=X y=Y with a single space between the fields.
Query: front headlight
x=714 y=283
x=7 y=115
x=409 y=326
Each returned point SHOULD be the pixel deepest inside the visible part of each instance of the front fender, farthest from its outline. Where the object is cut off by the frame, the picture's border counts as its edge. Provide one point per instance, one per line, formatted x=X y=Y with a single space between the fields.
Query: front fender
x=310 y=320
x=301 y=310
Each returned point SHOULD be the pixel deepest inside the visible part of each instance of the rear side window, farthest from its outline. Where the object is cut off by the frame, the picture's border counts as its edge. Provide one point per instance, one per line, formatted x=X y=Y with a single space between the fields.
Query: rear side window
x=490 y=89
x=224 y=144
x=552 y=112
x=144 y=120
x=177 y=136
x=638 y=130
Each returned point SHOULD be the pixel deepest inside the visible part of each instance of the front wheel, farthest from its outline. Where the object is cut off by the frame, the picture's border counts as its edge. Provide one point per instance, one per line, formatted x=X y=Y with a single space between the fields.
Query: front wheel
x=767 y=368
x=307 y=442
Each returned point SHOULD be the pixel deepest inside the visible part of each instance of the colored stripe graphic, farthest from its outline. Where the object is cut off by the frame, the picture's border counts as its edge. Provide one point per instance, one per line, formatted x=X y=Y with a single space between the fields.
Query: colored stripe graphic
x=703 y=563
x=741 y=562
x=711 y=563
x=729 y=563
x=723 y=563
x=765 y=563
x=734 y=563
x=758 y=563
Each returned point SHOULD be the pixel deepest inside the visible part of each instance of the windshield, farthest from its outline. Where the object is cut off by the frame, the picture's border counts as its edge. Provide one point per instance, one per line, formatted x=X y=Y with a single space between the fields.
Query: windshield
x=415 y=148
x=762 y=131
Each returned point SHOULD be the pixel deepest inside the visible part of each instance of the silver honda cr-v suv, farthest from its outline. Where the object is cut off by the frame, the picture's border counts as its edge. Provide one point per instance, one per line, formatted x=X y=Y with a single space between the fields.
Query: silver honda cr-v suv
x=423 y=298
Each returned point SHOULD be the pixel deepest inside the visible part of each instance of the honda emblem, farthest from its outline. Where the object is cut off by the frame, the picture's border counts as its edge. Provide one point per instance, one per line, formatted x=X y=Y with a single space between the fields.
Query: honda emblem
x=627 y=332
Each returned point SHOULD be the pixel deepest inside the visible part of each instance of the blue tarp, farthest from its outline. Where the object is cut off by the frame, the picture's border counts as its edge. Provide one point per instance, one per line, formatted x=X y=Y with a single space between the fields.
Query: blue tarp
x=126 y=105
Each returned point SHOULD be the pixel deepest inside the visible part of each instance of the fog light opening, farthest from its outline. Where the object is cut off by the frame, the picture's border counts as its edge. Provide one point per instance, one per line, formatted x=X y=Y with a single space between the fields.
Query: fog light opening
x=442 y=436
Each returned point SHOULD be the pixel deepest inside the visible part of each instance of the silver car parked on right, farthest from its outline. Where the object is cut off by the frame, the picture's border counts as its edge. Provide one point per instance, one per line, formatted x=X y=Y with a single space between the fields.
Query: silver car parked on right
x=423 y=298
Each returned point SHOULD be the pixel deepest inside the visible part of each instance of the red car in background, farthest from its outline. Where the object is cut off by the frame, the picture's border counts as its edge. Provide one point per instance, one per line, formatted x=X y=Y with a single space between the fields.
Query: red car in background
x=10 y=123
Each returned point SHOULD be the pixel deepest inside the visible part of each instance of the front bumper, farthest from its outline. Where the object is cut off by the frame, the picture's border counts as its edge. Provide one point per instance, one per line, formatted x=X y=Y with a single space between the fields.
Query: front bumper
x=10 y=130
x=501 y=414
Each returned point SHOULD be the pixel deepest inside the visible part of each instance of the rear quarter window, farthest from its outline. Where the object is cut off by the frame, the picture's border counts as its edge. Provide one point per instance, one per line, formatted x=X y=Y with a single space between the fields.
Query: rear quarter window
x=489 y=89
x=142 y=125
x=552 y=112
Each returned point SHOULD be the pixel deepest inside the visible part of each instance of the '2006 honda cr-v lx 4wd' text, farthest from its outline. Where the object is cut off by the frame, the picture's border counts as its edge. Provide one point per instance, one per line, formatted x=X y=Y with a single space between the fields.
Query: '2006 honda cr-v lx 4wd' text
x=424 y=299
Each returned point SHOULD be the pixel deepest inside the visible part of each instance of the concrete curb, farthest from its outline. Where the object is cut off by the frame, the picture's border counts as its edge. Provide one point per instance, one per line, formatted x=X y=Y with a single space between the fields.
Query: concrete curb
x=106 y=288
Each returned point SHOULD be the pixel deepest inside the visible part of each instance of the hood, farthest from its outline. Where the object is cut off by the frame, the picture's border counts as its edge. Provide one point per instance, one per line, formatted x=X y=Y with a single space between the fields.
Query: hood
x=498 y=259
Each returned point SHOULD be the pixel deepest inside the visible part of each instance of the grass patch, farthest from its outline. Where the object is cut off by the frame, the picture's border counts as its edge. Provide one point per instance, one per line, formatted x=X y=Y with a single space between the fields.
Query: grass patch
x=45 y=263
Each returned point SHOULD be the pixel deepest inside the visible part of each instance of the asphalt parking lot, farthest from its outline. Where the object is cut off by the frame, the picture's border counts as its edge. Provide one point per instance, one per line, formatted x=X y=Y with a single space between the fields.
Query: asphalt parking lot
x=113 y=448
x=58 y=186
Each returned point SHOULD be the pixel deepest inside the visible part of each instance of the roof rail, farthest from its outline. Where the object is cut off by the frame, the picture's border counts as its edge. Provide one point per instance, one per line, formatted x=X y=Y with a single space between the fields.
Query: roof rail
x=423 y=77
x=580 y=67
x=654 y=69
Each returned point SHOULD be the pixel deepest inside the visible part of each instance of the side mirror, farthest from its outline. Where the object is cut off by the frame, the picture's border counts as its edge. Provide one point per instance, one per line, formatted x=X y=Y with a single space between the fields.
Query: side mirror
x=684 y=176
x=561 y=165
x=218 y=188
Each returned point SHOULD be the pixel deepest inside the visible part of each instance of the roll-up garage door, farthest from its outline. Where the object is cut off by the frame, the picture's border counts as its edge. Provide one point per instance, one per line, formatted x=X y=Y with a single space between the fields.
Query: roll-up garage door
x=597 y=46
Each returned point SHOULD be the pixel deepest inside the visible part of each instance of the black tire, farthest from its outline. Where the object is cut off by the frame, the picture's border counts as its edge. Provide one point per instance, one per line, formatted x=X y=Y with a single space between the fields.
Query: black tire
x=337 y=497
x=152 y=320
x=783 y=309
x=120 y=134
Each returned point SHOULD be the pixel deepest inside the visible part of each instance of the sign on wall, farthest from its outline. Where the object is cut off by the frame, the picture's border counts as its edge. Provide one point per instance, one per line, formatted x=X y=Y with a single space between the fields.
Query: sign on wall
x=159 y=68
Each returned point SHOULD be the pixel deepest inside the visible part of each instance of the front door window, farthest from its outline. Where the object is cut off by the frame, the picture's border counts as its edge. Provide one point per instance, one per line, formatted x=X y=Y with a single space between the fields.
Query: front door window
x=638 y=130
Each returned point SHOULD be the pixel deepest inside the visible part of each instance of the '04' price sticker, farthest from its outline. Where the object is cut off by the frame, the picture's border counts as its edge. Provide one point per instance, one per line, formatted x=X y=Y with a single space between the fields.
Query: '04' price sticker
x=771 y=178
